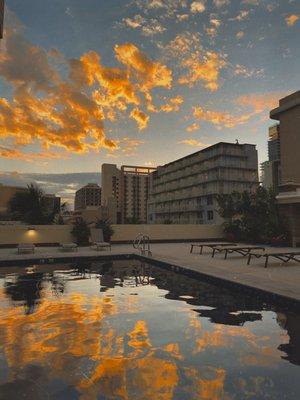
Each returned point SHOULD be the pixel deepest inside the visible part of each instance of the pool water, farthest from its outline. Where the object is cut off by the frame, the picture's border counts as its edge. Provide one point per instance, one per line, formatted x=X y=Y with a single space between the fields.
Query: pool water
x=128 y=330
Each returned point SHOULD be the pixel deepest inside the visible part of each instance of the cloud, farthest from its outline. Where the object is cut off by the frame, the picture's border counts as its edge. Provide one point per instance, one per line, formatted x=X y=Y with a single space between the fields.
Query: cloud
x=197 y=7
x=247 y=72
x=240 y=34
x=221 y=3
x=242 y=15
x=292 y=19
x=220 y=119
x=140 y=117
x=70 y=112
x=148 y=27
x=203 y=67
x=256 y=103
x=193 y=127
x=194 y=143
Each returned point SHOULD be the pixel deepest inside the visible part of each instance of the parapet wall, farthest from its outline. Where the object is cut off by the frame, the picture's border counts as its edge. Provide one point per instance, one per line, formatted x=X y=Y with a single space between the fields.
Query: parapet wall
x=10 y=235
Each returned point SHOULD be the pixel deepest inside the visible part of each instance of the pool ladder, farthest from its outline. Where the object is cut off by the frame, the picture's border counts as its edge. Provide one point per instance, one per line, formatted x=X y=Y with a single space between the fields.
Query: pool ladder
x=142 y=242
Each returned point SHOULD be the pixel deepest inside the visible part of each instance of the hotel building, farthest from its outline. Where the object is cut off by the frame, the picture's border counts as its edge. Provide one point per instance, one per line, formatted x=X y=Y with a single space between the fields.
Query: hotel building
x=184 y=191
x=88 y=196
x=288 y=115
x=128 y=188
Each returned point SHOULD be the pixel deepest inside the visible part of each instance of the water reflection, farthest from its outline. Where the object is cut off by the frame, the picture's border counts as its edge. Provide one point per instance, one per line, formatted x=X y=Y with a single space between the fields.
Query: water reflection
x=126 y=330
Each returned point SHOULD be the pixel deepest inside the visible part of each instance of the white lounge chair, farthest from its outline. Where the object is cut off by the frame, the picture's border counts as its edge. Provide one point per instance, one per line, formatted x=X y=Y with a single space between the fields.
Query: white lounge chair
x=69 y=246
x=101 y=245
x=25 y=248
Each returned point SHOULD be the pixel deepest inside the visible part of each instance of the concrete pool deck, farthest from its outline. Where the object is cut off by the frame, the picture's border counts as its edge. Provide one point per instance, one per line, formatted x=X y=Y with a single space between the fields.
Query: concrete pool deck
x=280 y=279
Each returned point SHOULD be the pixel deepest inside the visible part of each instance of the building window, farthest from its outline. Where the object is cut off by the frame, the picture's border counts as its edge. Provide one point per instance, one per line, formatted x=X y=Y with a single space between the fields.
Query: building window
x=210 y=200
x=210 y=215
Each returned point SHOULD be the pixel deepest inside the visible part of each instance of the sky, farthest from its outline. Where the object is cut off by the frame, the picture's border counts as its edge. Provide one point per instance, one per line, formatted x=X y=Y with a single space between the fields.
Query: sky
x=140 y=82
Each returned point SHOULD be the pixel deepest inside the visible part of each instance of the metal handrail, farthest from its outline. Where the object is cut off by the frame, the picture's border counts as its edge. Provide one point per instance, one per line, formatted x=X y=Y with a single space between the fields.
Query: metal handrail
x=142 y=242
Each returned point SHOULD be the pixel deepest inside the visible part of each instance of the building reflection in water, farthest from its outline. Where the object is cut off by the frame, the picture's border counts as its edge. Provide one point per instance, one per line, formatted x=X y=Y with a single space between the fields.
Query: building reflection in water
x=126 y=330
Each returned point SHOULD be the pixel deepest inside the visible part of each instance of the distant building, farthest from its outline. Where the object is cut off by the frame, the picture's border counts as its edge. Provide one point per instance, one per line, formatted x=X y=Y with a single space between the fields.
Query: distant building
x=271 y=169
x=266 y=174
x=88 y=196
x=1 y=18
x=128 y=188
x=184 y=191
x=89 y=214
x=6 y=194
x=288 y=115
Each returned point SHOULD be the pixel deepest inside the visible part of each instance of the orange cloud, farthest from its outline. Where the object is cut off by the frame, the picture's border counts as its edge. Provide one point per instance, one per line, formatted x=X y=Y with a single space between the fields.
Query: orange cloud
x=205 y=68
x=220 y=119
x=70 y=113
x=140 y=117
x=291 y=19
x=193 y=142
x=193 y=127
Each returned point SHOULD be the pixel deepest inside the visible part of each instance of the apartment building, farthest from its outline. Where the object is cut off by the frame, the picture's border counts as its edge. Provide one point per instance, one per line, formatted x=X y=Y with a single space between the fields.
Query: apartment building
x=52 y=203
x=288 y=115
x=128 y=188
x=88 y=196
x=184 y=191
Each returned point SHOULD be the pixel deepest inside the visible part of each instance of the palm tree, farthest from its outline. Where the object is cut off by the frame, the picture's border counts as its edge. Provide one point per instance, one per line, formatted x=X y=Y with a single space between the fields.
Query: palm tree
x=28 y=206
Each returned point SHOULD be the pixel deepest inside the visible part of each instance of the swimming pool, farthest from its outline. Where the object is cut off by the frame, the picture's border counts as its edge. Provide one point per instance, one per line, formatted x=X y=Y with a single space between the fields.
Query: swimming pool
x=128 y=330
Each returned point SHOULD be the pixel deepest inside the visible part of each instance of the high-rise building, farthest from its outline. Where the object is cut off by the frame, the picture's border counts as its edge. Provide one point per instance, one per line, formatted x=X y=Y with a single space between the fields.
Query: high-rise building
x=1 y=18
x=288 y=115
x=128 y=187
x=271 y=170
x=89 y=195
x=184 y=191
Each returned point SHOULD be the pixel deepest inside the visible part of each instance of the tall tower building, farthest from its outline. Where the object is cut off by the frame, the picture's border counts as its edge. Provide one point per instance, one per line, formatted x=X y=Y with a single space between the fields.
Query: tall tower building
x=128 y=187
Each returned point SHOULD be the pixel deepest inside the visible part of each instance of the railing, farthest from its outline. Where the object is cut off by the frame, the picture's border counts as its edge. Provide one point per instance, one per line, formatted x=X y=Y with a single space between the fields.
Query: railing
x=142 y=242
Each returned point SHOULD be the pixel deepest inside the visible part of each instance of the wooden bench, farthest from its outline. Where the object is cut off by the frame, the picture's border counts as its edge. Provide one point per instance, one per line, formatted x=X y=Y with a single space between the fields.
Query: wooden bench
x=210 y=245
x=243 y=250
x=283 y=256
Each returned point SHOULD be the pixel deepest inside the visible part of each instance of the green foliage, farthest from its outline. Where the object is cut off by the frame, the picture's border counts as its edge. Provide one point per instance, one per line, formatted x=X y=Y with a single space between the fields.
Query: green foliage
x=28 y=206
x=251 y=216
x=106 y=227
x=81 y=232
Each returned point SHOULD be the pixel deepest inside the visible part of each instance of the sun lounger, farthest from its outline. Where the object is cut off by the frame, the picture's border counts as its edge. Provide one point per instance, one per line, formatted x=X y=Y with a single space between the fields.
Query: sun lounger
x=100 y=244
x=69 y=247
x=243 y=250
x=26 y=248
x=283 y=256
x=210 y=245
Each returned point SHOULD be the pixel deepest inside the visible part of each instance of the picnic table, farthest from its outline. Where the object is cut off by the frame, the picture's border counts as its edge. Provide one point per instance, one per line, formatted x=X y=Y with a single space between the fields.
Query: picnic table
x=243 y=250
x=210 y=245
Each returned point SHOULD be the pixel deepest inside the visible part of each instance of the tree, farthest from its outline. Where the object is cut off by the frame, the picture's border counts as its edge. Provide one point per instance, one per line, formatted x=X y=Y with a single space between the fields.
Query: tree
x=251 y=216
x=28 y=206
x=81 y=232
x=106 y=227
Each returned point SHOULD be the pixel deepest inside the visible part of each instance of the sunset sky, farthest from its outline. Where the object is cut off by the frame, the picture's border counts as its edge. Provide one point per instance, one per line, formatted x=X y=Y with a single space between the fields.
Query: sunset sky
x=140 y=81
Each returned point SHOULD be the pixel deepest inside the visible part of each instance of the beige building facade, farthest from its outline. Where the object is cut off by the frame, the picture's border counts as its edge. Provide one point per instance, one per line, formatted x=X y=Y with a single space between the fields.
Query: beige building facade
x=128 y=189
x=288 y=115
x=88 y=196
x=184 y=191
